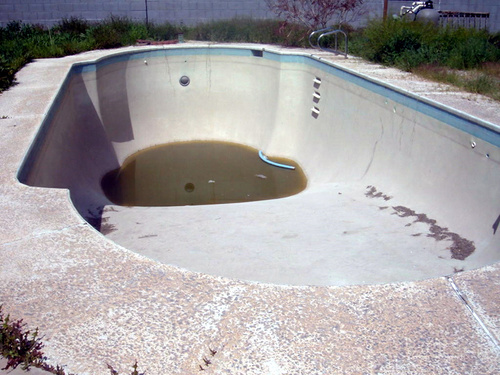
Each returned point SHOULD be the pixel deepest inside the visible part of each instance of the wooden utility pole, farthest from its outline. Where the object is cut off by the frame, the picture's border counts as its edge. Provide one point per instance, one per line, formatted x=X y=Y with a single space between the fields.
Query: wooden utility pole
x=385 y=9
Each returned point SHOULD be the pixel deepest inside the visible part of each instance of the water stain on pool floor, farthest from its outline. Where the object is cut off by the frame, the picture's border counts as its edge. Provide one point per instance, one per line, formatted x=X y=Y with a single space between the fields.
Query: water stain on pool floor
x=460 y=248
x=200 y=172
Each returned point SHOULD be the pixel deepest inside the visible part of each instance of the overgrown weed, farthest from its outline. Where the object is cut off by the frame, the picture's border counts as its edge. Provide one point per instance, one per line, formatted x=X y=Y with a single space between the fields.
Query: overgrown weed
x=248 y=30
x=23 y=347
x=406 y=45
x=466 y=58
x=484 y=80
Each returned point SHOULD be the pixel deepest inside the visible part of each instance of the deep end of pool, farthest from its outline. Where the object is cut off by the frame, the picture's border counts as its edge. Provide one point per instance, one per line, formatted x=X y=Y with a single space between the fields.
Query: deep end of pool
x=201 y=172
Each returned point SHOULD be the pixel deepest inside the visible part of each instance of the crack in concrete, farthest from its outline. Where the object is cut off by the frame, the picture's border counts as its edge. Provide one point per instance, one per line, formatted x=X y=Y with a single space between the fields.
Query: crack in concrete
x=469 y=306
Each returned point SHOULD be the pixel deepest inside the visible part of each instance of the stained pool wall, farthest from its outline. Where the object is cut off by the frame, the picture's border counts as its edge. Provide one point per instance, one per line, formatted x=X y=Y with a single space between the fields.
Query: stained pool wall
x=364 y=134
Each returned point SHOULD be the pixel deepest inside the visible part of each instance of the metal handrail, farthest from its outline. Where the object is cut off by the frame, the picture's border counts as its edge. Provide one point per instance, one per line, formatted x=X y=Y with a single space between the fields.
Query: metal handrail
x=318 y=31
x=336 y=51
x=325 y=32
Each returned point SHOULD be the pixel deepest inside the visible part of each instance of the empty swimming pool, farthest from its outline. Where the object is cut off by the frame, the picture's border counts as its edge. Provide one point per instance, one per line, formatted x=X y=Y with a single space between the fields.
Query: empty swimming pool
x=398 y=188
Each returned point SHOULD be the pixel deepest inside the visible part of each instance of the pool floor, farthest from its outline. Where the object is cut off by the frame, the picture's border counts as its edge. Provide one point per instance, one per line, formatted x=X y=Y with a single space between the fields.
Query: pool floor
x=352 y=235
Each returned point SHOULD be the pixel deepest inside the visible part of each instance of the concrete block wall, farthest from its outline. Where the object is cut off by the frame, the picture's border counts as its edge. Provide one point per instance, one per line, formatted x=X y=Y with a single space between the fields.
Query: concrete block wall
x=189 y=12
x=49 y=12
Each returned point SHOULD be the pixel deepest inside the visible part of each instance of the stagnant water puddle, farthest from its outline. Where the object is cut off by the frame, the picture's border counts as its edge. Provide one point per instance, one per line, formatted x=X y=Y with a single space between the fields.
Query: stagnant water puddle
x=200 y=172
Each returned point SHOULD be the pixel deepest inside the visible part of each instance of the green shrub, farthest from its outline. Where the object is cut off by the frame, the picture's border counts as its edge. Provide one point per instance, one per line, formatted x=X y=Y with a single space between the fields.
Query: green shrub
x=384 y=42
x=104 y=37
x=164 y=31
x=407 y=44
x=73 y=25
x=235 y=30
x=471 y=52
x=117 y=32
x=8 y=69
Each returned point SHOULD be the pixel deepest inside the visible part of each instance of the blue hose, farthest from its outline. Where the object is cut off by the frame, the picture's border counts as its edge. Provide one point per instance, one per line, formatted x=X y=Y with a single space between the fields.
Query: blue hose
x=266 y=160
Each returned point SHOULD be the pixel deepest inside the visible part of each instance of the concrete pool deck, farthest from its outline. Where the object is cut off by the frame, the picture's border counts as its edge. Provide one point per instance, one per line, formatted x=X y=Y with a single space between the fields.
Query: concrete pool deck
x=97 y=303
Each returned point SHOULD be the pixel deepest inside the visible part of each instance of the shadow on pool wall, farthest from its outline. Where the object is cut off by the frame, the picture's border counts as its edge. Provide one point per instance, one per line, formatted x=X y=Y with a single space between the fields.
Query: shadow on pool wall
x=72 y=149
x=339 y=126
x=113 y=102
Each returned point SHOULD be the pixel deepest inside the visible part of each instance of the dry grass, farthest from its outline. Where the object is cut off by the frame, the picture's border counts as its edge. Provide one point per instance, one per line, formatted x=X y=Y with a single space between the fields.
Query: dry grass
x=484 y=80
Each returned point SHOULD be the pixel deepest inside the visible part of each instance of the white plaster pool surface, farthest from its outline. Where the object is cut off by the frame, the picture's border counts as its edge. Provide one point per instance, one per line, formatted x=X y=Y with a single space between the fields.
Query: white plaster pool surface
x=99 y=303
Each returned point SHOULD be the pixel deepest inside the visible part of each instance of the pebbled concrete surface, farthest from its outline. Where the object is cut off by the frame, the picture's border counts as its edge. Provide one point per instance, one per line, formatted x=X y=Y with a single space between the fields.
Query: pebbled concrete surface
x=98 y=303
x=479 y=288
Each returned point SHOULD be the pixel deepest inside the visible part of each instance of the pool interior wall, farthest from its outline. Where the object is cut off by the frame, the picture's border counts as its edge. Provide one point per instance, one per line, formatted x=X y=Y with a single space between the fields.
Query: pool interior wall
x=342 y=128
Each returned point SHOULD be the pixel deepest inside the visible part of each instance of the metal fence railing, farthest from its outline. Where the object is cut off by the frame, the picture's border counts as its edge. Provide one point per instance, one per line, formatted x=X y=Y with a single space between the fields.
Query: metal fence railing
x=476 y=20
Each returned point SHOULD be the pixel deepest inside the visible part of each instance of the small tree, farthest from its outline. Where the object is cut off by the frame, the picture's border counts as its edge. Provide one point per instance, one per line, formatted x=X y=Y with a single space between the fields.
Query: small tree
x=315 y=14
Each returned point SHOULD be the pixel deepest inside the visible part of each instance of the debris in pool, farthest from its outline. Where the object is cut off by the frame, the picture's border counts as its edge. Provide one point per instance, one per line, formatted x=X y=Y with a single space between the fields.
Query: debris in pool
x=373 y=193
x=211 y=181
x=148 y=236
x=105 y=227
x=260 y=176
x=460 y=247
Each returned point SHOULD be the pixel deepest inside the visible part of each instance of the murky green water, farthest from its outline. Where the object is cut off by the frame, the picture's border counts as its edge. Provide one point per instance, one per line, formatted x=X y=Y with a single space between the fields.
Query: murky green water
x=194 y=173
